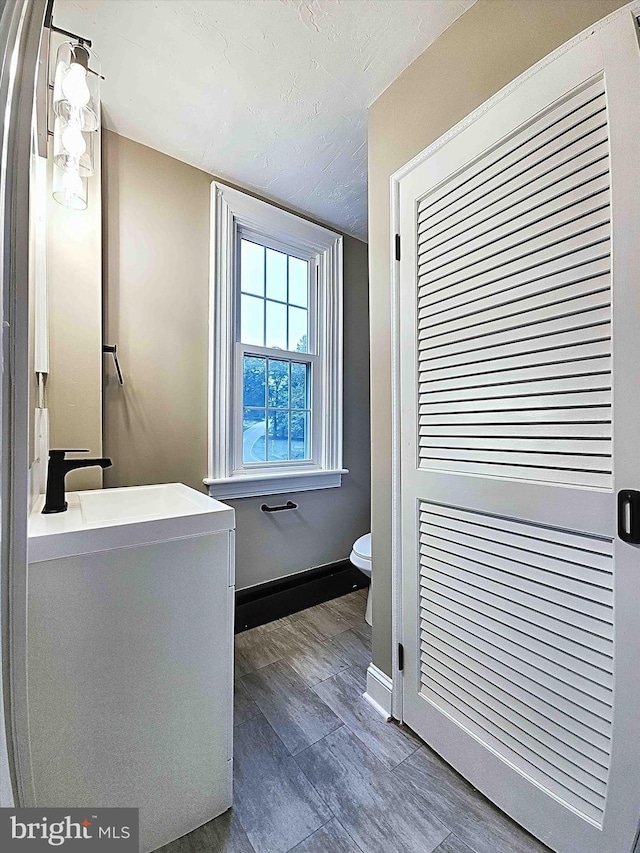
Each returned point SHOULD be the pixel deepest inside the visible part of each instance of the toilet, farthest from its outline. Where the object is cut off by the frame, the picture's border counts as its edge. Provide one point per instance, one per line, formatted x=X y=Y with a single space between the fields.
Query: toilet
x=361 y=557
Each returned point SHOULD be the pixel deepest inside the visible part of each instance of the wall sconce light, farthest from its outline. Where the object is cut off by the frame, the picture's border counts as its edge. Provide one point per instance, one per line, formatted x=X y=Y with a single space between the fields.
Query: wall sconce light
x=73 y=149
x=69 y=188
x=76 y=108
x=76 y=85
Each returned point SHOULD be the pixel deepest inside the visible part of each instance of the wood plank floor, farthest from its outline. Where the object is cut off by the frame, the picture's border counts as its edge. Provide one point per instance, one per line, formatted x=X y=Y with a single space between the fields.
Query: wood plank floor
x=317 y=770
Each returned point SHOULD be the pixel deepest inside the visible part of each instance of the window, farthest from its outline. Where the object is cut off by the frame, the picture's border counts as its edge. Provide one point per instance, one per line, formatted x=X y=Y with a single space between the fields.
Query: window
x=275 y=353
x=276 y=350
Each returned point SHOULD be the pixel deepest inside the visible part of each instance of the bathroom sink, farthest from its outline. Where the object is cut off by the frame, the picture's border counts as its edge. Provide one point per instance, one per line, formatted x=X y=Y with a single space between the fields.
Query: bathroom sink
x=130 y=656
x=103 y=506
x=103 y=519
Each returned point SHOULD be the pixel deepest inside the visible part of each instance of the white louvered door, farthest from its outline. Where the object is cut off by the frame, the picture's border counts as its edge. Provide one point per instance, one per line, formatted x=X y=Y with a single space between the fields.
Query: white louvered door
x=519 y=423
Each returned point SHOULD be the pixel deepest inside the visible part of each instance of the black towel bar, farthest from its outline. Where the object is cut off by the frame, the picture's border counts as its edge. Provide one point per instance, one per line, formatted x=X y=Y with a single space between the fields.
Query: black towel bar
x=288 y=505
x=113 y=350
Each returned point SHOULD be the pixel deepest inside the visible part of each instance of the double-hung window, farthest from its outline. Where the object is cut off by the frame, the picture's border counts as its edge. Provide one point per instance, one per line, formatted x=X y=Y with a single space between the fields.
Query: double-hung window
x=276 y=350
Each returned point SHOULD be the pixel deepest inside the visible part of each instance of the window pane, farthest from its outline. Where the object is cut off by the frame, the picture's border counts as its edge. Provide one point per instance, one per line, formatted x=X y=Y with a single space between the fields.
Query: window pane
x=276 y=325
x=299 y=386
x=251 y=268
x=252 y=320
x=278 y=436
x=298 y=282
x=276 y=275
x=254 y=381
x=300 y=444
x=278 y=384
x=254 y=424
x=298 y=339
x=276 y=392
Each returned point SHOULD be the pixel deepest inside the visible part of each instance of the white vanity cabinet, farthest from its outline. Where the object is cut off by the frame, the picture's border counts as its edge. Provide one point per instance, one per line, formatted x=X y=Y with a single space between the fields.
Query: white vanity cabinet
x=130 y=654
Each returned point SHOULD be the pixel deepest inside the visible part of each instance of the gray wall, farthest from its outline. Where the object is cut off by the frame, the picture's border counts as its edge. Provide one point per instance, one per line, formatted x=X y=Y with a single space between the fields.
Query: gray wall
x=74 y=285
x=490 y=45
x=156 y=280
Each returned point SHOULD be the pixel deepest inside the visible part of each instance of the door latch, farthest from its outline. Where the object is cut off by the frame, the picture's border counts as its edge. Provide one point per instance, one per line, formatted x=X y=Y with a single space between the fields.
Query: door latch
x=629 y=516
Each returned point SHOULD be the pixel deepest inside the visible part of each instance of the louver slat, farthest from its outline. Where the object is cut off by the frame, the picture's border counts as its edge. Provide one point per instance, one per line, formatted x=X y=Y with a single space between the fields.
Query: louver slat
x=592 y=681
x=553 y=399
x=520 y=265
x=597 y=380
x=566 y=297
x=585 y=564
x=517 y=703
x=496 y=580
x=550 y=134
x=547 y=417
x=577 y=209
x=573 y=708
x=581 y=263
x=481 y=709
x=571 y=630
x=516 y=366
x=525 y=432
x=597 y=549
x=559 y=347
x=518 y=566
x=586 y=746
x=587 y=157
x=594 y=313
x=514 y=306
x=516 y=642
x=534 y=243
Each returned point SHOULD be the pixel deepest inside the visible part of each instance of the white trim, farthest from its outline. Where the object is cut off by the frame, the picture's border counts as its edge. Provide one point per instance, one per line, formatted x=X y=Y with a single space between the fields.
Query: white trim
x=221 y=334
x=394 y=183
x=39 y=260
x=252 y=213
x=21 y=34
x=396 y=510
x=247 y=486
x=232 y=210
x=379 y=691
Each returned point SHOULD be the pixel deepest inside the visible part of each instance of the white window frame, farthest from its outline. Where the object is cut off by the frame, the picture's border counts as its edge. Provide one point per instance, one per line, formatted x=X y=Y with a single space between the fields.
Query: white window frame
x=234 y=213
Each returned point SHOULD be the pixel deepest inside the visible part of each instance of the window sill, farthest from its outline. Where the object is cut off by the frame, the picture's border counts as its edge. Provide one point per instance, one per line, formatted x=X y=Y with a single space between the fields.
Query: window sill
x=252 y=486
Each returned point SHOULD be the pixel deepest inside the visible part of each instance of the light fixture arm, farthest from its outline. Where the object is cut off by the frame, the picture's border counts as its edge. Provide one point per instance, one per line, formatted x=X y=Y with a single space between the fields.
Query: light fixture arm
x=80 y=39
x=48 y=22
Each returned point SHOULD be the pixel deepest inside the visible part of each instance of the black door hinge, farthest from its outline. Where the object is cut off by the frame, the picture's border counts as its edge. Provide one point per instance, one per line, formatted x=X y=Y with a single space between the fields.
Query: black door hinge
x=400 y=657
x=397 y=247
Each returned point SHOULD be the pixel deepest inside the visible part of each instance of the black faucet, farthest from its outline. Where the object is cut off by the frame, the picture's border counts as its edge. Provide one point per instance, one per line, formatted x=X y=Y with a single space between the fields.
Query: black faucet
x=58 y=469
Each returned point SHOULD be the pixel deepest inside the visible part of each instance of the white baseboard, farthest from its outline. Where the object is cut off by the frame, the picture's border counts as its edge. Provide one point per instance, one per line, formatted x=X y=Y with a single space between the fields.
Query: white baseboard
x=379 y=691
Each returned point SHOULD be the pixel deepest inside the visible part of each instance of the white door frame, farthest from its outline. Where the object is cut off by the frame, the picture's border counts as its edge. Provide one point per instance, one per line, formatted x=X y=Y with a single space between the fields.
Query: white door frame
x=21 y=27
x=632 y=8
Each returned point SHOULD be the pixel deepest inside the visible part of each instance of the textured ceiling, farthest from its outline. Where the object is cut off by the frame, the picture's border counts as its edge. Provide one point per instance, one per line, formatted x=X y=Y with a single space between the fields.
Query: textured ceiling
x=269 y=94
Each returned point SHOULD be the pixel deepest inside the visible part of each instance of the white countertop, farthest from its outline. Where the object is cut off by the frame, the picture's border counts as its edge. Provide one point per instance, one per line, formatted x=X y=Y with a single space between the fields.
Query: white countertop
x=105 y=519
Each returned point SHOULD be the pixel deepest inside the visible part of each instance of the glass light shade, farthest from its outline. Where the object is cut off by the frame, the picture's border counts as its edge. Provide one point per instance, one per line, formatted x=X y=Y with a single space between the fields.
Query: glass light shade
x=76 y=86
x=73 y=149
x=69 y=188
